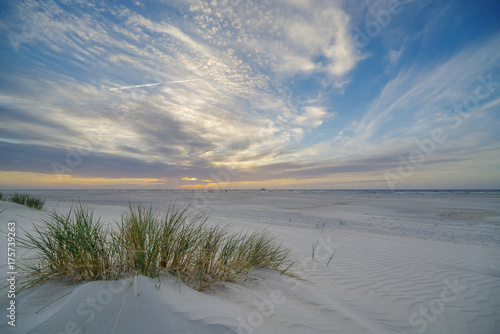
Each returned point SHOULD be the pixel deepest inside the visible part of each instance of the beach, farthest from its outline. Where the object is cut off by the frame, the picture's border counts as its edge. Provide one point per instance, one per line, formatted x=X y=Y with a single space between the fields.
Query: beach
x=384 y=262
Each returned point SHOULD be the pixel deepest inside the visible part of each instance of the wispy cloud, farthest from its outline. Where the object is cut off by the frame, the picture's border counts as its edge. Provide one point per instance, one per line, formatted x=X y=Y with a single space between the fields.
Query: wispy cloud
x=416 y=94
x=418 y=101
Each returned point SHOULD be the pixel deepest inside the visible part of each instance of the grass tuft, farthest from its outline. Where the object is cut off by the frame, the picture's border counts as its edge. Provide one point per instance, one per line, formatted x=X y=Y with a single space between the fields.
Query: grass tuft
x=76 y=245
x=28 y=200
x=137 y=241
x=73 y=245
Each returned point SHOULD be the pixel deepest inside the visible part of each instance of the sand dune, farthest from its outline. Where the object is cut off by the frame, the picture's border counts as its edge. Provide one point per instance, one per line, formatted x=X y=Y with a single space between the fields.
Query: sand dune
x=402 y=264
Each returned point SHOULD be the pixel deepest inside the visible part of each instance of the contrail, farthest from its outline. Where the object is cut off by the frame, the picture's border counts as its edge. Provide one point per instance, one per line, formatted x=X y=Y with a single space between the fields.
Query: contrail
x=153 y=84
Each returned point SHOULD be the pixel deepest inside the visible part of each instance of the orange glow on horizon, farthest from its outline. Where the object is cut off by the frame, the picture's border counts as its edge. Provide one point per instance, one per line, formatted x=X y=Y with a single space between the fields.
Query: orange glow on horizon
x=208 y=185
x=35 y=180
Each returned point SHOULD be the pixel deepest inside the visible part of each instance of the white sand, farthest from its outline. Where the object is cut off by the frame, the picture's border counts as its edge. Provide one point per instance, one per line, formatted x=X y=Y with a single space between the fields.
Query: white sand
x=404 y=263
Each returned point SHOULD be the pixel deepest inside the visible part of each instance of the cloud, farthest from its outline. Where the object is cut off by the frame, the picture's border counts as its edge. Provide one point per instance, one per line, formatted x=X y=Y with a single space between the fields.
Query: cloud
x=395 y=55
x=312 y=117
x=212 y=115
x=412 y=105
x=417 y=94
x=280 y=38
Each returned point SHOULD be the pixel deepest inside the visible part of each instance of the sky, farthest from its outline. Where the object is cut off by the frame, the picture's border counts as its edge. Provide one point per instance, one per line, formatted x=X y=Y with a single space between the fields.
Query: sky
x=220 y=94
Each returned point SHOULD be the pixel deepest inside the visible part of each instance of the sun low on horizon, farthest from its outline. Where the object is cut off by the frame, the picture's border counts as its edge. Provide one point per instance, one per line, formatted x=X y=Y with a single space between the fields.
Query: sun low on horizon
x=219 y=94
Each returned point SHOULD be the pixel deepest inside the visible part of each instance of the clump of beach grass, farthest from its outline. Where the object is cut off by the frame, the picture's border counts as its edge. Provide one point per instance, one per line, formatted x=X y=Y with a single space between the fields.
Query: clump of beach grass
x=137 y=241
x=28 y=200
x=179 y=243
x=73 y=245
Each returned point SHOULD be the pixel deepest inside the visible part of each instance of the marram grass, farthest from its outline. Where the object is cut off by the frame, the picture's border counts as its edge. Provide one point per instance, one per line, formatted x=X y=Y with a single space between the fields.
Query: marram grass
x=73 y=245
x=28 y=200
x=78 y=246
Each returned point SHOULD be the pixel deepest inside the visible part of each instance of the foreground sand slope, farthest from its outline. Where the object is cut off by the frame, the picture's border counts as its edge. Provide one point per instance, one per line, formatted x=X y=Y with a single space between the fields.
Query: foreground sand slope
x=398 y=282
